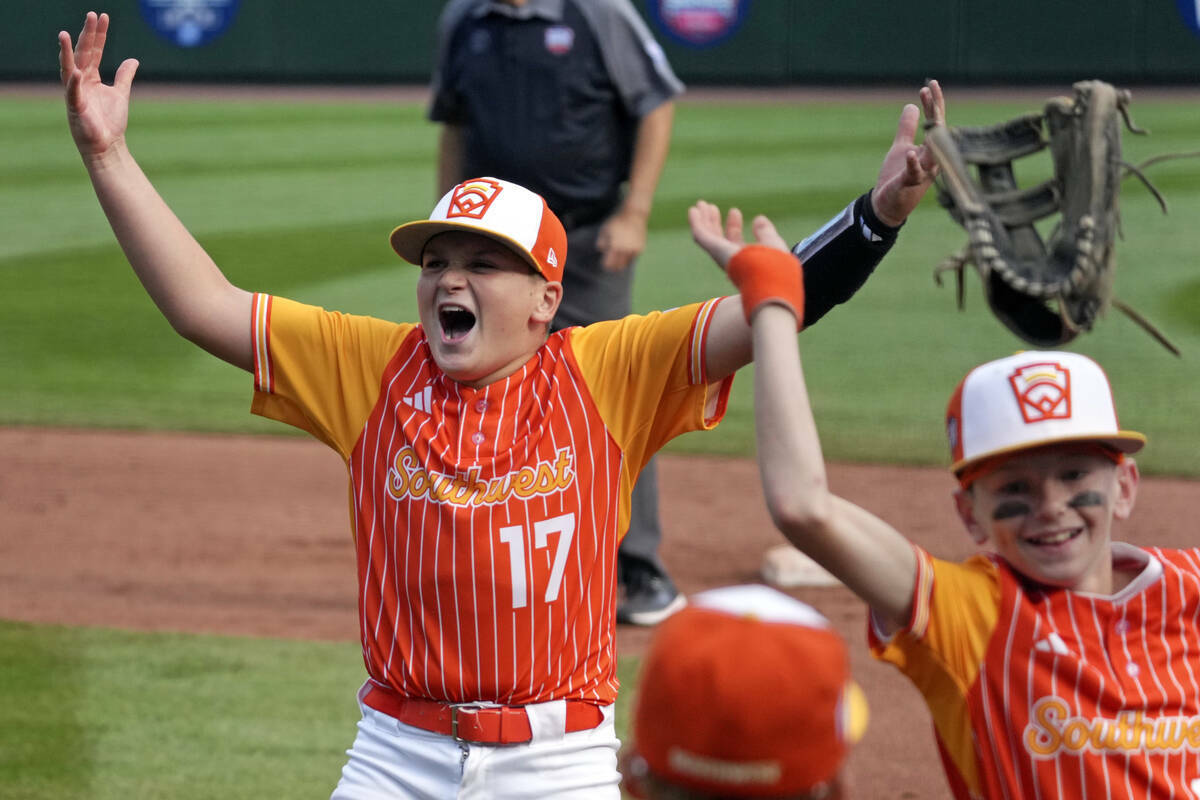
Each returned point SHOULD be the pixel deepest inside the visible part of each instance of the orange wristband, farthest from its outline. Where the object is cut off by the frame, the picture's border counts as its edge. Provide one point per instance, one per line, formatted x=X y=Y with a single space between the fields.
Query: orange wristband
x=765 y=275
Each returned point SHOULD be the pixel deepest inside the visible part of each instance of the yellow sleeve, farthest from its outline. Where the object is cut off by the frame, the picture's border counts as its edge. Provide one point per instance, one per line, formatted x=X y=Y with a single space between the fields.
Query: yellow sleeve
x=955 y=611
x=646 y=376
x=319 y=370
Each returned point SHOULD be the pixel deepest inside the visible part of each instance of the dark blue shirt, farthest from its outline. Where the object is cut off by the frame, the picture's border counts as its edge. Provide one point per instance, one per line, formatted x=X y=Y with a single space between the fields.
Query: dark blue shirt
x=549 y=94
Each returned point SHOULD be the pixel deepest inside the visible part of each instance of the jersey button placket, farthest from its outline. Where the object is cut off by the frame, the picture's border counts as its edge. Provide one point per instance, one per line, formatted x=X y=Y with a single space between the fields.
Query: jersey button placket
x=480 y=407
x=1121 y=628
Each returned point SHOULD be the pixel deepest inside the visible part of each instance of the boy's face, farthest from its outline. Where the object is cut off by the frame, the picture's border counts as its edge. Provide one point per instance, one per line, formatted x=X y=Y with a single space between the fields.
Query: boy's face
x=1049 y=512
x=484 y=310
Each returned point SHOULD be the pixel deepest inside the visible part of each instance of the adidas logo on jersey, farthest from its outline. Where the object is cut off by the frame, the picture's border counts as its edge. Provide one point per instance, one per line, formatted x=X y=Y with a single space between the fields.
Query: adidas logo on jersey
x=422 y=400
x=1052 y=644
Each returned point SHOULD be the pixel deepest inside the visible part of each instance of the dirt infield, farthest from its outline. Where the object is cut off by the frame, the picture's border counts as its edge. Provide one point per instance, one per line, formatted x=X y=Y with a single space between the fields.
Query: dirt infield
x=249 y=535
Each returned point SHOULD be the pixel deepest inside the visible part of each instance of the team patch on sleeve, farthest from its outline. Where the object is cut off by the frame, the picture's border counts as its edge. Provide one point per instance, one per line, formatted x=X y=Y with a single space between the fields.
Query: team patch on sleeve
x=264 y=376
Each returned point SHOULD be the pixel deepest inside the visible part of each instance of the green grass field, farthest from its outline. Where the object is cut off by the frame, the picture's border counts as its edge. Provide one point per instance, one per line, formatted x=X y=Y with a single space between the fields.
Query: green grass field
x=297 y=199
x=101 y=714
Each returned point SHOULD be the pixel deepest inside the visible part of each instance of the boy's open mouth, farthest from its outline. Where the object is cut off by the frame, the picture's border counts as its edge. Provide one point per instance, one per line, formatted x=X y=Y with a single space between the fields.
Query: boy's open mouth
x=456 y=322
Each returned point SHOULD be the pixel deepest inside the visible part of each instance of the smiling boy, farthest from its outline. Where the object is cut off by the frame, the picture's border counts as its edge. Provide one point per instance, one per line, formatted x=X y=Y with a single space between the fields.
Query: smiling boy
x=1057 y=663
x=490 y=461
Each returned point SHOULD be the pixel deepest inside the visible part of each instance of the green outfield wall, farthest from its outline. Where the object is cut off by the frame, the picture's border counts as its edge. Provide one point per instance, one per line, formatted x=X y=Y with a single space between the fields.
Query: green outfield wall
x=774 y=41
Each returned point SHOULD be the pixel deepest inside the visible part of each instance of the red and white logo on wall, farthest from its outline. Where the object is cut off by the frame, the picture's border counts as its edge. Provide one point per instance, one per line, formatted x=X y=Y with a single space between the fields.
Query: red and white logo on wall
x=699 y=23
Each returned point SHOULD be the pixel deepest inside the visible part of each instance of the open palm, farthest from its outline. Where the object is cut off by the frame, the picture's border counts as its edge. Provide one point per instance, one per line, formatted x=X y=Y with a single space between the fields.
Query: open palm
x=97 y=113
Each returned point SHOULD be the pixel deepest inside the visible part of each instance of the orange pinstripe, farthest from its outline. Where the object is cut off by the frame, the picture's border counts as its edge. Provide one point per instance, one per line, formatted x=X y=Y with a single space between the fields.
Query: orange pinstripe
x=486 y=520
x=1048 y=693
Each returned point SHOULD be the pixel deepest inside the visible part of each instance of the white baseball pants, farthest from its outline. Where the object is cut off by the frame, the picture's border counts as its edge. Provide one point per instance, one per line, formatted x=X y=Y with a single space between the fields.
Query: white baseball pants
x=393 y=761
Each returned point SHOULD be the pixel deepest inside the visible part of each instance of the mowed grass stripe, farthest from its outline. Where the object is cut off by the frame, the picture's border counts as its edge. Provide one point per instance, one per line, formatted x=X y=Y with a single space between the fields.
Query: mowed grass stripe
x=298 y=199
x=103 y=714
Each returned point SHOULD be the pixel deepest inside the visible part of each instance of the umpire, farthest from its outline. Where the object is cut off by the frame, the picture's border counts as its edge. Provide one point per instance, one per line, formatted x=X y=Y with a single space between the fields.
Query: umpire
x=574 y=100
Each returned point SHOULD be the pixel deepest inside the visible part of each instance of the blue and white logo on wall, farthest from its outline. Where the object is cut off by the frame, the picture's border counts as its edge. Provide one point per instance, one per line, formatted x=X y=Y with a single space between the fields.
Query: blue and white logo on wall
x=1190 y=11
x=699 y=23
x=189 y=23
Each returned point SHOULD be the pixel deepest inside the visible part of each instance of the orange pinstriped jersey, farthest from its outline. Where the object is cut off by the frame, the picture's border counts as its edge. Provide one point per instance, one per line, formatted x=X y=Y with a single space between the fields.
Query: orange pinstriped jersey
x=1048 y=693
x=486 y=521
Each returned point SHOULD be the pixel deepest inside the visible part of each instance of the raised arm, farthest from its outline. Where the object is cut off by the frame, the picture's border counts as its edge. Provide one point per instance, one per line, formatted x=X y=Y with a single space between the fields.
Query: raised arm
x=867 y=554
x=184 y=282
x=864 y=552
x=838 y=259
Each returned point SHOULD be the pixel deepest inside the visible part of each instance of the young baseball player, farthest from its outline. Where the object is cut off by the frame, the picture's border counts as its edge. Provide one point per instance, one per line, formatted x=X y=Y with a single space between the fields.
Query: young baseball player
x=1058 y=663
x=490 y=462
x=745 y=693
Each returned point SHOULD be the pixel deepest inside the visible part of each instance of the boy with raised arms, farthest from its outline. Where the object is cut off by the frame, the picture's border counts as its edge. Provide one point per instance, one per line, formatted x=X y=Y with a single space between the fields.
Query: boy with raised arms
x=490 y=462
x=1059 y=662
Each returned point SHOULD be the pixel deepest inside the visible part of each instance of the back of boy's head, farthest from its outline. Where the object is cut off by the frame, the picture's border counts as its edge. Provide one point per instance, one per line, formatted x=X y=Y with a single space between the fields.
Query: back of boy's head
x=744 y=693
x=501 y=210
x=1027 y=400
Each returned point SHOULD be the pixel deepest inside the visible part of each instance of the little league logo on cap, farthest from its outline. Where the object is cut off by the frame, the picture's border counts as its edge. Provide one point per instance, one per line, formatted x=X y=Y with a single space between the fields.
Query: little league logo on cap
x=766 y=727
x=1032 y=399
x=472 y=199
x=1043 y=391
x=498 y=209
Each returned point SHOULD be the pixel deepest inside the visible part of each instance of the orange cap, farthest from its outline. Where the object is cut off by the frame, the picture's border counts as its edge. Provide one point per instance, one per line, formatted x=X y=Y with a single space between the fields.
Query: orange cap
x=744 y=693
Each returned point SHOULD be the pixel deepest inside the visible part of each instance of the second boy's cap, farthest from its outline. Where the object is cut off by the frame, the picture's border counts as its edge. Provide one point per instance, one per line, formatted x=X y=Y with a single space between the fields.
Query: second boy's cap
x=744 y=693
x=499 y=209
x=1031 y=399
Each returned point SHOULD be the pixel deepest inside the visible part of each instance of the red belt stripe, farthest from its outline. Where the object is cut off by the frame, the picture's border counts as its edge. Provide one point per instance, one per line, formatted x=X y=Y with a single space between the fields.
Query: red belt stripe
x=476 y=724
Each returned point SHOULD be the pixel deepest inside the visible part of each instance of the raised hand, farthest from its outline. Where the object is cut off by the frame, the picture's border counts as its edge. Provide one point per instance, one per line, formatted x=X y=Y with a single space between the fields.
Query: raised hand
x=719 y=241
x=97 y=113
x=722 y=240
x=908 y=170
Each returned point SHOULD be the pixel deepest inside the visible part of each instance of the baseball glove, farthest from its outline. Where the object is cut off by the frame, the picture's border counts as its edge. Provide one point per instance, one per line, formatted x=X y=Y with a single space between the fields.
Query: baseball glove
x=1047 y=291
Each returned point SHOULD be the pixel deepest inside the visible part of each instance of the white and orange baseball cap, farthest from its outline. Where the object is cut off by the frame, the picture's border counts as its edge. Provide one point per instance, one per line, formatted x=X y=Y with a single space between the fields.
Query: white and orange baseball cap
x=499 y=209
x=744 y=693
x=1031 y=399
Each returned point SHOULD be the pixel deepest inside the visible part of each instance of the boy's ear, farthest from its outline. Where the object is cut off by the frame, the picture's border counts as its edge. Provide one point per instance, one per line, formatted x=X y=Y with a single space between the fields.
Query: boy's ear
x=1128 y=478
x=964 y=503
x=548 y=300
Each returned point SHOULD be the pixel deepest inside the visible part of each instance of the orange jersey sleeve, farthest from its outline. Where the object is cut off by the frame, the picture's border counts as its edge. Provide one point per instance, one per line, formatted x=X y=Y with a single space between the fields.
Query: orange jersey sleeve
x=648 y=387
x=646 y=375
x=955 y=608
x=319 y=370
